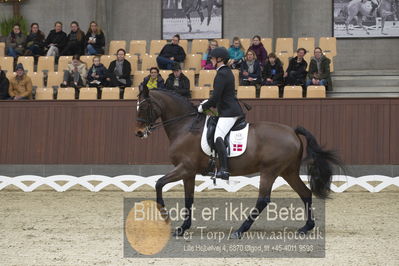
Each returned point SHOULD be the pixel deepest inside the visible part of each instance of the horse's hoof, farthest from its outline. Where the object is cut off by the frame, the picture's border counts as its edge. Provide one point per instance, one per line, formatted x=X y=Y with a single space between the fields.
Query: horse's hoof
x=236 y=235
x=305 y=229
x=178 y=232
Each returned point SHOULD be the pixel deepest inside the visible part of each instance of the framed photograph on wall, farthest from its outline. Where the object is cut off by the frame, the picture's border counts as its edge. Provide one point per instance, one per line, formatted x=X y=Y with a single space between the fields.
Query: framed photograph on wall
x=365 y=18
x=192 y=19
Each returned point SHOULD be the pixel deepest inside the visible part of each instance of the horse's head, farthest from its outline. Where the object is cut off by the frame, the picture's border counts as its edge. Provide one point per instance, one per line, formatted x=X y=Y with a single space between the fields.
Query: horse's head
x=147 y=113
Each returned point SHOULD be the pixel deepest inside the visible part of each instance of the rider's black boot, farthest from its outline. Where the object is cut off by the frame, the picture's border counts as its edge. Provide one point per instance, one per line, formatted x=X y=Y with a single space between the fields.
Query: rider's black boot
x=223 y=172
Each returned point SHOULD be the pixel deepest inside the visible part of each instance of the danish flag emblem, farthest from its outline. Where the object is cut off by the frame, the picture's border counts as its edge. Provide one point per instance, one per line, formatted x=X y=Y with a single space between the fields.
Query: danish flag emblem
x=237 y=147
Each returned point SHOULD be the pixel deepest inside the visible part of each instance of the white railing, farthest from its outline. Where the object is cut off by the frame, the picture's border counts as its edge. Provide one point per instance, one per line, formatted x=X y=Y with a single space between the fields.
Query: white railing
x=28 y=183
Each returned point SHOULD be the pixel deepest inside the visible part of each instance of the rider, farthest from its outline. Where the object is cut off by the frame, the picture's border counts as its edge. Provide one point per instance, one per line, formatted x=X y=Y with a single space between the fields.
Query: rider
x=374 y=5
x=229 y=110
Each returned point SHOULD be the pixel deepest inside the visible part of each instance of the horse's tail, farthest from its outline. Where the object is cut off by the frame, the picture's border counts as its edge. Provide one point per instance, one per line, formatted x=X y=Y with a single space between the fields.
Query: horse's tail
x=320 y=164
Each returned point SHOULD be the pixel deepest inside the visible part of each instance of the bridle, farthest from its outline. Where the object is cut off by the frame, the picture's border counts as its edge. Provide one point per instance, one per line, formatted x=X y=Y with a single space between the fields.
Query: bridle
x=152 y=115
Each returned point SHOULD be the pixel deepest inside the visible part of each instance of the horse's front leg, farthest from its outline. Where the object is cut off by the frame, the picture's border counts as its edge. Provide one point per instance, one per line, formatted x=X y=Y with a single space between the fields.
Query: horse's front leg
x=189 y=184
x=189 y=21
x=347 y=25
x=383 y=25
x=176 y=175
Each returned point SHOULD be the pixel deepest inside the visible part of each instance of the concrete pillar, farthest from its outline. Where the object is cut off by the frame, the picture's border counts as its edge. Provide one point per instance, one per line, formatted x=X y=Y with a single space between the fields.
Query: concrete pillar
x=282 y=18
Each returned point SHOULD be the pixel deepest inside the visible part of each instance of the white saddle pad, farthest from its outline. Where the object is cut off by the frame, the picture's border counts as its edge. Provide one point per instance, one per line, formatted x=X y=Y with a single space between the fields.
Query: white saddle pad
x=238 y=141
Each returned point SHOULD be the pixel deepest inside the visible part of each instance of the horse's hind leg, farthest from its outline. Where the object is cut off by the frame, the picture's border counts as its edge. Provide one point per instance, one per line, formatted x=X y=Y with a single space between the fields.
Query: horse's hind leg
x=304 y=192
x=189 y=21
x=265 y=188
x=189 y=184
x=360 y=23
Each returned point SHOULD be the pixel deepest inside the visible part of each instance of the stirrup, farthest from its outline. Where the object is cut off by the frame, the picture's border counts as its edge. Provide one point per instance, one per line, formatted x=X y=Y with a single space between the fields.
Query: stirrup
x=223 y=175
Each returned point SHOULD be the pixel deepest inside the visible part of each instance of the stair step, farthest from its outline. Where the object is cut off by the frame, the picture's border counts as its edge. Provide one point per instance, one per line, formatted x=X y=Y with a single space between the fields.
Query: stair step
x=362 y=95
x=388 y=81
x=353 y=89
x=365 y=73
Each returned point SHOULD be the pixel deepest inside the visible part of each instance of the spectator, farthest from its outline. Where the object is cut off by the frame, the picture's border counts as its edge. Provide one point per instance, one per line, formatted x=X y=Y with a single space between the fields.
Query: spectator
x=15 y=43
x=4 y=86
x=97 y=74
x=119 y=71
x=296 y=71
x=20 y=85
x=171 y=53
x=250 y=72
x=319 y=70
x=178 y=82
x=273 y=71
x=236 y=53
x=76 y=41
x=259 y=49
x=76 y=74
x=154 y=80
x=35 y=41
x=56 y=40
x=95 y=39
x=206 y=60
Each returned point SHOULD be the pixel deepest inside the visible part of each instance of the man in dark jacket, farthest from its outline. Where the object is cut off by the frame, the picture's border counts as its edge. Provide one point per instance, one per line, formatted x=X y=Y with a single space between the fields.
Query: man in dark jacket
x=296 y=71
x=4 y=85
x=319 y=70
x=273 y=71
x=119 y=71
x=171 y=53
x=56 y=40
x=178 y=82
x=229 y=109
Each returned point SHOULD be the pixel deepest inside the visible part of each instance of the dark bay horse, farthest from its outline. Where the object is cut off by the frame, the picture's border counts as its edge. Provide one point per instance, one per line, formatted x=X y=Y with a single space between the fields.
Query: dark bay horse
x=273 y=150
x=190 y=6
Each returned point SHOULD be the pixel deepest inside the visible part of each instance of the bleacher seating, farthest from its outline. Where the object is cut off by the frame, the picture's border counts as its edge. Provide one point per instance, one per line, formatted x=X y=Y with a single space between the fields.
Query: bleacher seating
x=269 y=92
x=156 y=46
x=268 y=44
x=44 y=94
x=131 y=93
x=206 y=78
x=138 y=47
x=66 y=93
x=28 y=63
x=106 y=60
x=114 y=46
x=292 y=92
x=148 y=61
x=7 y=63
x=37 y=79
x=2 y=48
x=246 y=43
x=110 y=93
x=184 y=45
x=45 y=63
x=224 y=42
x=199 y=46
x=248 y=92
x=138 y=77
x=316 y=92
x=200 y=92
x=133 y=60
x=285 y=46
x=87 y=59
x=193 y=62
x=63 y=62
x=307 y=43
x=54 y=79
x=88 y=93
x=328 y=45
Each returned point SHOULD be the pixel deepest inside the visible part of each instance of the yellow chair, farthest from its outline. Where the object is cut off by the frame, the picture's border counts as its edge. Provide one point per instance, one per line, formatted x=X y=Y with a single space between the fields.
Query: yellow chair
x=87 y=59
x=200 y=92
x=106 y=60
x=269 y=92
x=328 y=45
x=190 y=74
x=45 y=64
x=268 y=44
x=316 y=92
x=63 y=63
x=44 y=94
x=54 y=79
x=199 y=46
x=284 y=58
x=149 y=61
x=236 y=74
x=138 y=47
x=7 y=63
x=206 y=78
x=10 y=75
x=248 y=92
x=156 y=46
x=292 y=92
x=131 y=93
x=165 y=74
x=37 y=79
x=88 y=93
x=139 y=77
x=111 y=93
x=133 y=60
x=114 y=46
x=2 y=48
x=285 y=46
x=246 y=43
x=66 y=94
x=27 y=62
x=224 y=43
x=307 y=43
x=184 y=45
x=193 y=62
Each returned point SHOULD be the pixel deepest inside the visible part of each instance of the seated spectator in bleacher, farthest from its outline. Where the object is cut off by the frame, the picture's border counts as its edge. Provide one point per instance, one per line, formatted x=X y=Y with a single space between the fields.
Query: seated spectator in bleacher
x=4 y=86
x=76 y=41
x=76 y=74
x=119 y=71
x=20 y=85
x=56 y=40
x=35 y=41
x=95 y=39
x=15 y=42
x=236 y=53
x=97 y=75
x=250 y=73
x=273 y=71
x=206 y=60
x=154 y=80
x=259 y=49
x=171 y=53
x=296 y=71
x=319 y=70
x=178 y=82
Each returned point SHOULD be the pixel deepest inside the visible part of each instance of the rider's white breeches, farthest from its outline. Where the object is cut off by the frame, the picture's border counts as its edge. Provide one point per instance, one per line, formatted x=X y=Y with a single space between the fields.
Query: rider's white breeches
x=223 y=126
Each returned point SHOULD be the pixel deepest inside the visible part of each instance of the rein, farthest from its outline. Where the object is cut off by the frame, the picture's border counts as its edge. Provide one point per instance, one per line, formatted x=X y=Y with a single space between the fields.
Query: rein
x=170 y=121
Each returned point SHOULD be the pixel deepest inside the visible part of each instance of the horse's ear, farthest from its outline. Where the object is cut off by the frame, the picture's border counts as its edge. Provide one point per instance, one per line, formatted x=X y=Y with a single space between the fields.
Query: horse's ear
x=144 y=92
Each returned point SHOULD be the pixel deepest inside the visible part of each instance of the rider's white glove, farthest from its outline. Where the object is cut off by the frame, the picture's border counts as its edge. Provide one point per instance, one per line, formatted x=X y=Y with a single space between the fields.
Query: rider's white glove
x=200 y=109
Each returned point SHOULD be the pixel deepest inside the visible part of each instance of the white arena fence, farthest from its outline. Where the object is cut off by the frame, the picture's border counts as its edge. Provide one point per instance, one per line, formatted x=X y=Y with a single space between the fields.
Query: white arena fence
x=61 y=183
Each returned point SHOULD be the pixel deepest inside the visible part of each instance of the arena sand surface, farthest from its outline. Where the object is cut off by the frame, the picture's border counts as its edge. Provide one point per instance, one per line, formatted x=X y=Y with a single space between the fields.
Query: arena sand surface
x=86 y=228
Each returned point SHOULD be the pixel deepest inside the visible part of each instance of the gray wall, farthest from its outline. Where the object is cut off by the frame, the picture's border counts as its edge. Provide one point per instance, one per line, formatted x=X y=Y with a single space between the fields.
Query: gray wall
x=141 y=19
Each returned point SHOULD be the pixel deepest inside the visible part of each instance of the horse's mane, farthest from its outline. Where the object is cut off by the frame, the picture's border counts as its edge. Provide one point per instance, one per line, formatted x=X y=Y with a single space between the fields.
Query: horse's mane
x=181 y=99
